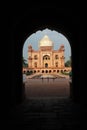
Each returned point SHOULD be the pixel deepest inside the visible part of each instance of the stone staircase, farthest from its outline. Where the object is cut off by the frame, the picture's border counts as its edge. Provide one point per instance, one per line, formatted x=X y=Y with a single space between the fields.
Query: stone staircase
x=45 y=114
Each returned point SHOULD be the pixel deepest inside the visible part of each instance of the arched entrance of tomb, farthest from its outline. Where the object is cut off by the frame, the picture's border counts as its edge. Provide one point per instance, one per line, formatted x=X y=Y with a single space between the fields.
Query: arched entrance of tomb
x=46 y=65
x=46 y=61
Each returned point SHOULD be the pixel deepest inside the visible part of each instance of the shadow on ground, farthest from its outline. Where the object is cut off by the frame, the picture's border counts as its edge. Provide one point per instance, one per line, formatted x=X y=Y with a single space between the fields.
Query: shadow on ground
x=45 y=114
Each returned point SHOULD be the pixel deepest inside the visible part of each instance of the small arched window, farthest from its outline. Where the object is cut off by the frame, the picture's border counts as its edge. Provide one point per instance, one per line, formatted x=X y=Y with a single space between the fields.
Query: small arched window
x=62 y=57
x=35 y=64
x=46 y=57
x=56 y=64
x=56 y=57
x=35 y=57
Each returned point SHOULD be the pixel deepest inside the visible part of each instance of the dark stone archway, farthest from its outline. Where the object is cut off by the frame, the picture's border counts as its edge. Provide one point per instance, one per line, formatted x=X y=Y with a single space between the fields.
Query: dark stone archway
x=63 y=21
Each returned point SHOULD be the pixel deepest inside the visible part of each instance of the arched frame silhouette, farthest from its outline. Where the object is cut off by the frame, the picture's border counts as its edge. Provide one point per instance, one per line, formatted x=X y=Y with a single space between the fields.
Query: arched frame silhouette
x=60 y=22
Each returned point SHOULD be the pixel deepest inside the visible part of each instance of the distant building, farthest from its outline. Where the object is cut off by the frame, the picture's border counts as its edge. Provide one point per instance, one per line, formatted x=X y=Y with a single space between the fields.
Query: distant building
x=46 y=59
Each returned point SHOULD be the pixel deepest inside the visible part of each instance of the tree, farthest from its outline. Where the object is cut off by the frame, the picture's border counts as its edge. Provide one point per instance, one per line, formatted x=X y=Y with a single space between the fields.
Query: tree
x=68 y=63
x=24 y=62
x=70 y=74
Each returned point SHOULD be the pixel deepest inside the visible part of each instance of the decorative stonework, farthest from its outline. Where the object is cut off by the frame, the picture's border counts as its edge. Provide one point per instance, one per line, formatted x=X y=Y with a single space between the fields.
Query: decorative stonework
x=54 y=59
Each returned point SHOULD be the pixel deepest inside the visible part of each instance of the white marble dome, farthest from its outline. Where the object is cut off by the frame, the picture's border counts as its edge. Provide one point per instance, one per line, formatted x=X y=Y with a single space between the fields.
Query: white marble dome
x=45 y=41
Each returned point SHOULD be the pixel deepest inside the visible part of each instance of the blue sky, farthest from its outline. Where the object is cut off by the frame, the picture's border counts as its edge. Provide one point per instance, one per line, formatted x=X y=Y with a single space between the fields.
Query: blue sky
x=56 y=37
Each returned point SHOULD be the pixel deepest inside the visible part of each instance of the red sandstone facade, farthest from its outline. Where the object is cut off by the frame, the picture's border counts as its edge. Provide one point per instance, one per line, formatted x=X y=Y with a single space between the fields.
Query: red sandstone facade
x=46 y=59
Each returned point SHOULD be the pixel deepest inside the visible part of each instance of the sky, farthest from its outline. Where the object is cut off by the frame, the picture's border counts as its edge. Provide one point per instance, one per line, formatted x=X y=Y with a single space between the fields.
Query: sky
x=55 y=36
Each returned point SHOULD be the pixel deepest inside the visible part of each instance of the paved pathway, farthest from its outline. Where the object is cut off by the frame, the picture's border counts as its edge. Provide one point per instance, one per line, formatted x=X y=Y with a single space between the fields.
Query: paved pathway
x=47 y=87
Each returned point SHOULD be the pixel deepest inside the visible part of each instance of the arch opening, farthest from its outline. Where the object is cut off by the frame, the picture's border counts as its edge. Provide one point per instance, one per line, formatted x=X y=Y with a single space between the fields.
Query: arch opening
x=49 y=57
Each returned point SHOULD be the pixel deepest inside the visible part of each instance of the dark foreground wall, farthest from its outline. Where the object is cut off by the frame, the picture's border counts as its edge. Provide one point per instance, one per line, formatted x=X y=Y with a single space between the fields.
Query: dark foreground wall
x=24 y=23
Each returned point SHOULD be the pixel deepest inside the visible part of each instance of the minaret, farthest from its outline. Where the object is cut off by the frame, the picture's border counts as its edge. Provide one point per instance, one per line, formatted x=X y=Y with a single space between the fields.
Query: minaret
x=62 y=56
x=29 y=56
